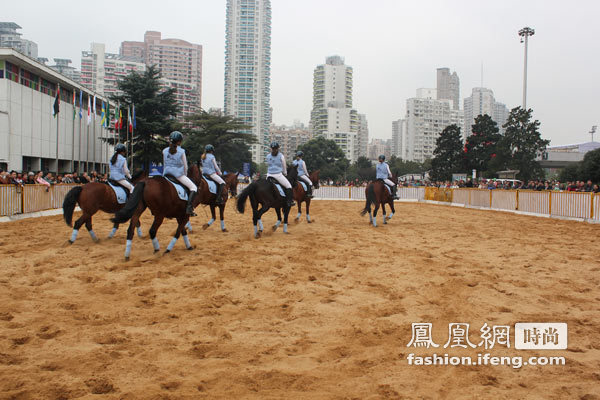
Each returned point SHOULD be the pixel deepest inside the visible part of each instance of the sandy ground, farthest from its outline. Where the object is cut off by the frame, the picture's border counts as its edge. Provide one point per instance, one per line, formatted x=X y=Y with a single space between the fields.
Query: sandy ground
x=324 y=312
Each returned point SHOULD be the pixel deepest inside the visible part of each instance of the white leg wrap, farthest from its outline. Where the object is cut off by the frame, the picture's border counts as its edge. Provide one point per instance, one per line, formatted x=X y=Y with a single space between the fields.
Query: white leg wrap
x=186 y=240
x=128 y=248
x=112 y=233
x=74 y=235
x=172 y=244
x=93 y=235
x=139 y=231
x=155 y=244
x=222 y=225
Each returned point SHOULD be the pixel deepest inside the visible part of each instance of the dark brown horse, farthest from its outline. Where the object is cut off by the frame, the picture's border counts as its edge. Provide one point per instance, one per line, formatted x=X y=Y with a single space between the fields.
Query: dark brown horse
x=93 y=197
x=210 y=199
x=161 y=198
x=266 y=194
x=300 y=195
x=377 y=194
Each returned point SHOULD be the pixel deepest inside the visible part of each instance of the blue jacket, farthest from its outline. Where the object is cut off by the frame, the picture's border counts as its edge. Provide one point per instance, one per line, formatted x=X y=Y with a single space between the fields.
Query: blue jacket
x=382 y=170
x=174 y=164
x=275 y=163
x=117 y=172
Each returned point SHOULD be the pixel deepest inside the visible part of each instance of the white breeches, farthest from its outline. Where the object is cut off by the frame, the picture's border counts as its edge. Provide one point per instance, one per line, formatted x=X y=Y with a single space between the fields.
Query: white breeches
x=188 y=183
x=215 y=177
x=125 y=182
x=281 y=179
x=390 y=183
x=306 y=179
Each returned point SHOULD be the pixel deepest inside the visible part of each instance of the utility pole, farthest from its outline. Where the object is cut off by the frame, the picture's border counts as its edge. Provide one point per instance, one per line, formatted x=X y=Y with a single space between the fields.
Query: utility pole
x=525 y=33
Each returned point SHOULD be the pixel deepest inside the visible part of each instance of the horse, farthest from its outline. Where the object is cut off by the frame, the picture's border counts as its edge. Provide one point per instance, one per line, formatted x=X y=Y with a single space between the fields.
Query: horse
x=210 y=199
x=94 y=196
x=265 y=193
x=300 y=195
x=162 y=199
x=377 y=194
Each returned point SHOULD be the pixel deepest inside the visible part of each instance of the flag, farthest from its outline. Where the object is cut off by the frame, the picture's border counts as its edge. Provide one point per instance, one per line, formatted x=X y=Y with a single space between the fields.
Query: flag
x=117 y=117
x=107 y=121
x=120 y=119
x=103 y=115
x=80 y=104
x=56 y=107
x=74 y=104
x=129 y=122
x=133 y=117
x=94 y=107
x=89 y=109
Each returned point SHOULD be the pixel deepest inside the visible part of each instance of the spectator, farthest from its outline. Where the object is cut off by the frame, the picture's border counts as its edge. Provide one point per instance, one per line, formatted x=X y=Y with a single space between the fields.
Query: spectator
x=30 y=178
x=41 y=181
x=595 y=189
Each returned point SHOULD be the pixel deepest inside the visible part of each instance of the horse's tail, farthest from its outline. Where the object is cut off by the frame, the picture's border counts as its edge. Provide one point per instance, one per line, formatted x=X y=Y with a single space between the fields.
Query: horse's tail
x=241 y=199
x=371 y=199
x=125 y=213
x=70 y=202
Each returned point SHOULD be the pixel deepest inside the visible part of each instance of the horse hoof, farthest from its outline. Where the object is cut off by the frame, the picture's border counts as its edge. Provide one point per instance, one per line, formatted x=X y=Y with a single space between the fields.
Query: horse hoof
x=257 y=235
x=167 y=251
x=191 y=248
x=309 y=221
x=224 y=230
x=205 y=226
x=126 y=258
x=287 y=233
x=274 y=228
x=156 y=251
x=71 y=241
x=296 y=220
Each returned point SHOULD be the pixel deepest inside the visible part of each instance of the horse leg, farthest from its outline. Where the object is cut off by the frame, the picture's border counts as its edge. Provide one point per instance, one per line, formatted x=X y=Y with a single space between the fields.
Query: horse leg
x=188 y=226
x=286 y=213
x=138 y=228
x=222 y=217
x=135 y=218
x=383 y=211
x=158 y=220
x=180 y=226
x=88 y=225
x=297 y=219
x=308 y=211
x=259 y=215
x=278 y=211
x=80 y=221
x=184 y=234
x=393 y=210
x=212 y=212
x=113 y=231
x=375 y=214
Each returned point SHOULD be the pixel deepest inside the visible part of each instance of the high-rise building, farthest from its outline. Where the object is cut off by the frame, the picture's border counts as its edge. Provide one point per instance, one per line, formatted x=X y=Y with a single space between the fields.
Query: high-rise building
x=378 y=147
x=398 y=137
x=179 y=62
x=9 y=37
x=448 y=87
x=362 y=137
x=482 y=102
x=248 y=69
x=332 y=115
x=62 y=66
x=290 y=138
x=100 y=71
x=426 y=118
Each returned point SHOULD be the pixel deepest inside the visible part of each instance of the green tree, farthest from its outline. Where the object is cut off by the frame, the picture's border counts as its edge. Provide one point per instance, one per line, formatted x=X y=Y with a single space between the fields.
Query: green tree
x=589 y=168
x=361 y=169
x=155 y=109
x=482 y=146
x=569 y=173
x=222 y=131
x=401 y=167
x=524 y=144
x=326 y=156
x=448 y=154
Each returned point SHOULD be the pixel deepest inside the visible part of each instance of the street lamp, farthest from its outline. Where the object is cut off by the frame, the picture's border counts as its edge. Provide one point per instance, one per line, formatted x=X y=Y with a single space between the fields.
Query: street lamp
x=525 y=33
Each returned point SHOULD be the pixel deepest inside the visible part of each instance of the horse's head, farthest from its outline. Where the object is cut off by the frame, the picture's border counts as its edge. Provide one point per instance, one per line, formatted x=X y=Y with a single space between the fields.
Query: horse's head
x=231 y=180
x=292 y=174
x=194 y=174
x=314 y=178
x=139 y=175
x=394 y=179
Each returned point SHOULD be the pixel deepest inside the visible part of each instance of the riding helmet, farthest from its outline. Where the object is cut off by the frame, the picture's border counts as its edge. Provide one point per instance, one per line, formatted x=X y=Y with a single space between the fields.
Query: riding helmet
x=209 y=147
x=120 y=147
x=299 y=153
x=175 y=137
x=274 y=145
x=382 y=157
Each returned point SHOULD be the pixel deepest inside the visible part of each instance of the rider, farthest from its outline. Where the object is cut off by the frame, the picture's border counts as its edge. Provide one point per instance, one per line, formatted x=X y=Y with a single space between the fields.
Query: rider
x=384 y=173
x=303 y=172
x=118 y=167
x=277 y=169
x=210 y=168
x=175 y=163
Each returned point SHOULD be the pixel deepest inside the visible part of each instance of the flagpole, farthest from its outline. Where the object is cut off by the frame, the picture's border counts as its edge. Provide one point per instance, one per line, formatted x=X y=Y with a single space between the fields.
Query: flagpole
x=79 y=161
x=73 y=136
x=131 y=169
x=57 y=126
x=94 y=136
x=87 y=149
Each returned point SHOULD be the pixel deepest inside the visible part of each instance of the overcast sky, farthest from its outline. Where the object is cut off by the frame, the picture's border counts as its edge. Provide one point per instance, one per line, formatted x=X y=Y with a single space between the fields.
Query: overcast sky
x=394 y=47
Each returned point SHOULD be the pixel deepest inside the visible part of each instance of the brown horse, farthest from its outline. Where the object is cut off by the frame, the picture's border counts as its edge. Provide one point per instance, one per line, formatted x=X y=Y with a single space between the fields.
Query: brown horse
x=210 y=199
x=377 y=194
x=92 y=197
x=162 y=199
x=300 y=195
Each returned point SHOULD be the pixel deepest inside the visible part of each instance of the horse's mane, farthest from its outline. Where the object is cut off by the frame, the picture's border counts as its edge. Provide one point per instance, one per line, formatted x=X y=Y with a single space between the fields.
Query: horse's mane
x=194 y=174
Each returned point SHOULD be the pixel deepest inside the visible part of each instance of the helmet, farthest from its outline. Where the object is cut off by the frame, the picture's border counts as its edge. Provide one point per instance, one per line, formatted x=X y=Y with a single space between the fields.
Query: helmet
x=382 y=157
x=209 y=147
x=120 y=147
x=175 y=136
x=299 y=154
x=274 y=145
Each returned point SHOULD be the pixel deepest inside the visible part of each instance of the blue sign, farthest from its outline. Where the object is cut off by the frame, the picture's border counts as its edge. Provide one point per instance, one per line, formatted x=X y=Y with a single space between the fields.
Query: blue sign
x=246 y=169
x=155 y=169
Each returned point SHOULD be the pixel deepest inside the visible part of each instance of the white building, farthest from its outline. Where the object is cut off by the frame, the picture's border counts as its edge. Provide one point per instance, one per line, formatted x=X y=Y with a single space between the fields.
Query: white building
x=448 y=87
x=332 y=115
x=248 y=68
x=482 y=102
x=28 y=130
x=426 y=118
x=398 y=138
x=9 y=37
x=362 y=136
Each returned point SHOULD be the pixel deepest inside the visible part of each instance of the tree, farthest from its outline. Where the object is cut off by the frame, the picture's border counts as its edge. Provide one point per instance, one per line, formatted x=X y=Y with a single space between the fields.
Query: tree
x=401 y=167
x=326 y=156
x=569 y=173
x=482 y=146
x=222 y=131
x=448 y=154
x=362 y=169
x=524 y=144
x=589 y=168
x=155 y=108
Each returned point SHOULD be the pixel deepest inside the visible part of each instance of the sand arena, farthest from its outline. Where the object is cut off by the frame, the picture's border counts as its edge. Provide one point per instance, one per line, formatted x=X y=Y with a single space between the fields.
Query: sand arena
x=324 y=312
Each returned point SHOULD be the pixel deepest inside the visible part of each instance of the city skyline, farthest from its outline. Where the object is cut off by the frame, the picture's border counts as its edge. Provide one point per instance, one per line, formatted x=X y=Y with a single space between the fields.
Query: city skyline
x=390 y=61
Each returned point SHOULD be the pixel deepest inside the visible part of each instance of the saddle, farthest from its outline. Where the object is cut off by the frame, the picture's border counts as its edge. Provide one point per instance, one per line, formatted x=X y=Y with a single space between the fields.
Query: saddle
x=208 y=178
x=176 y=182
x=115 y=183
x=277 y=186
x=388 y=187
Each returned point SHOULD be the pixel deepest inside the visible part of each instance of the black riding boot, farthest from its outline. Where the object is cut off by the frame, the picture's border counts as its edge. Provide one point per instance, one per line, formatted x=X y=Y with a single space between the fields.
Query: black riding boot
x=190 y=204
x=289 y=196
x=394 y=192
x=309 y=192
x=220 y=194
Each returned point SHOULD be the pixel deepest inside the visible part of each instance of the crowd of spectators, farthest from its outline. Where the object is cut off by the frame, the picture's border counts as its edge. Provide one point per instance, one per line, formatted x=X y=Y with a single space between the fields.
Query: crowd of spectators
x=538 y=185
x=48 y=179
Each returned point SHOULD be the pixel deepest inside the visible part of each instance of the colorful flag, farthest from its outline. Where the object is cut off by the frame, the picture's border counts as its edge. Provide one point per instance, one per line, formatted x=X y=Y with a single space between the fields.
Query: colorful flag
x=74 y=104
x=89 y=109
x=117 y=117
x=107 y=122
x=103 y=115
x=120 y=119
x=129 y=123
x=94 y=107
x=56 y=107
x=133 y=117
x=80 y=104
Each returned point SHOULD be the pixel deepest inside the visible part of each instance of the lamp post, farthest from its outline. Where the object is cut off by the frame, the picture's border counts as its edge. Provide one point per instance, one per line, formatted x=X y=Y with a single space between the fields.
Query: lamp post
x=525 y=33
